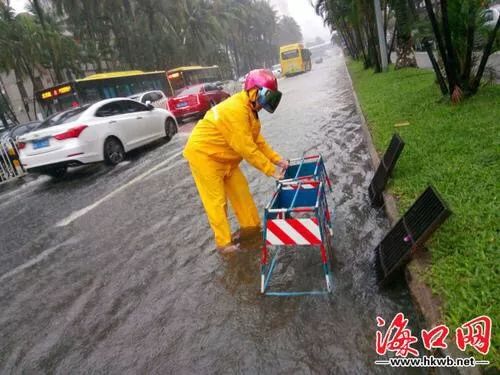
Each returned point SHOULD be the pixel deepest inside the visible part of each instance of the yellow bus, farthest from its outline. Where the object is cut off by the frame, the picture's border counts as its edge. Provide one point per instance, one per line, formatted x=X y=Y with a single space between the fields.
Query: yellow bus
x=185 y=76
x=294 y=59
x=100 y=86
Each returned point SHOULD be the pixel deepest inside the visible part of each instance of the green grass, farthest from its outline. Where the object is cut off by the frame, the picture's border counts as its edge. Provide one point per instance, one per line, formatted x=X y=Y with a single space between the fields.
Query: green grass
x=456 y=148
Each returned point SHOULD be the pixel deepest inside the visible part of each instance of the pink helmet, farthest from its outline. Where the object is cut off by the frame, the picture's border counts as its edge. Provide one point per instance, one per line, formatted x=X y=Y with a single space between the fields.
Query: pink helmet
x=260 y=78
x=268 y=94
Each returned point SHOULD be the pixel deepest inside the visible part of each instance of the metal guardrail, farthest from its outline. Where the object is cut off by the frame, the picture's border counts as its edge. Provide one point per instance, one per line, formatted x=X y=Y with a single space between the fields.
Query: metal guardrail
x=10 y=165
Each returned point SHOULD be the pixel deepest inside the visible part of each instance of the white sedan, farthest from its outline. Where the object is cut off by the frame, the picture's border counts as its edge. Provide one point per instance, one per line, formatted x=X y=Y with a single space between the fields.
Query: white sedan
x=157 y=98
x=103 y=131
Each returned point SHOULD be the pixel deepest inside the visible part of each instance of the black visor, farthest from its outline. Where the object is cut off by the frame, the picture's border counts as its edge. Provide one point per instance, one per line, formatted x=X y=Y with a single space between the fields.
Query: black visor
x=268 y=99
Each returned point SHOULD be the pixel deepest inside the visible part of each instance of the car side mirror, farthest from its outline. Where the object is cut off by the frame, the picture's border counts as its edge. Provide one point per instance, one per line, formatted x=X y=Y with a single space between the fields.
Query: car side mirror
x=149 y=105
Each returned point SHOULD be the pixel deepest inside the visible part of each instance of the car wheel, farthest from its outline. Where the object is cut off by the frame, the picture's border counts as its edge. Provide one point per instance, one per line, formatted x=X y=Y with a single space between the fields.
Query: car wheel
x=170 y=128
x=113 y=151
x=57 y=172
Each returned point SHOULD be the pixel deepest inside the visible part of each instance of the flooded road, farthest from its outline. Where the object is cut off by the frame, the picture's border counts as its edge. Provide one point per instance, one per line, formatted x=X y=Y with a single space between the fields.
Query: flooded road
x=114 y=270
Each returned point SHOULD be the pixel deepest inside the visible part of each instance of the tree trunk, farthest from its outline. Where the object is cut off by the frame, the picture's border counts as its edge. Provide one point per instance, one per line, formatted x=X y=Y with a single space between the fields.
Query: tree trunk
x=437 y=33
x=405 y=53
x=404 y=41
x=469 y=53
x=453 y=69
x=391 y=45
x=361 y=46
x=435 y=66
x=484 y=59
x=7 y=108
x=22 y=92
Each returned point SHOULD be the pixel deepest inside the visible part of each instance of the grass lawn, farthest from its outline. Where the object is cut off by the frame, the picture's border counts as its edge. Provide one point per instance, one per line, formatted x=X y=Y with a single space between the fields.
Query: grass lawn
x=456 y=148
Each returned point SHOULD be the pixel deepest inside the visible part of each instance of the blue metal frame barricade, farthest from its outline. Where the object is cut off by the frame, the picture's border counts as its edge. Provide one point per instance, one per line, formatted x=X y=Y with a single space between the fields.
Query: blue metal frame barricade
x=298 y=215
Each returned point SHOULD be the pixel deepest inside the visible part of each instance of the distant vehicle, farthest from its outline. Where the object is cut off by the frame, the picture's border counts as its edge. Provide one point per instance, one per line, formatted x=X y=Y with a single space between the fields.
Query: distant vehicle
x=91 y=133
x=491 y=15
x=196 y=100
x=319 y=60
x=276 y=69
x=19 y=130
x=294 y=59
x=157 y=98
x=100 y=86
x=187 y=76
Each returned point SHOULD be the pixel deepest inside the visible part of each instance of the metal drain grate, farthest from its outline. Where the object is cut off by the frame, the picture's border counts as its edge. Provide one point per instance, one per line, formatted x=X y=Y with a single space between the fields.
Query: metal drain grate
x=425 y=215
x=384 y=170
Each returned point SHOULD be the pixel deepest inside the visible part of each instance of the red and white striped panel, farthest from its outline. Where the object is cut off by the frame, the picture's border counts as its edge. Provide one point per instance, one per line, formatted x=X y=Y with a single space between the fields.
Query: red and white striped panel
x=293 y=232
x=302 y=186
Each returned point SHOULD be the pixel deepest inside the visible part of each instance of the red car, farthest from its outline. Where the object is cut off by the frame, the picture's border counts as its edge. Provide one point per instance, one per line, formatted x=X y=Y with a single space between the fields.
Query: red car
x=196 y=100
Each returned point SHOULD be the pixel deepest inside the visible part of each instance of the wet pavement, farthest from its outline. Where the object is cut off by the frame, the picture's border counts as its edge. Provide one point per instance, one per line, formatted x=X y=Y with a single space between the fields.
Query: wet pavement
x=113 y=270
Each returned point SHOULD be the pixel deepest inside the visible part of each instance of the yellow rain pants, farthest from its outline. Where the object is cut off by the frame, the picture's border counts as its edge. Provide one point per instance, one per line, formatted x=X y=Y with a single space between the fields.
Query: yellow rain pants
x=228 y=133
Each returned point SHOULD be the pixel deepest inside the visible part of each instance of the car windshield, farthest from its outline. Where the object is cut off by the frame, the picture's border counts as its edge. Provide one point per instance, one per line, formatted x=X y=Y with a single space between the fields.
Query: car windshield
x=63 y=117
x=190 y=90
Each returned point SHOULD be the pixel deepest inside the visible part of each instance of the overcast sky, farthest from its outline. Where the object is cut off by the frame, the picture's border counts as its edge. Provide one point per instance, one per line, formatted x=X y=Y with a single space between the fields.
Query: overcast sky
x=301 y=10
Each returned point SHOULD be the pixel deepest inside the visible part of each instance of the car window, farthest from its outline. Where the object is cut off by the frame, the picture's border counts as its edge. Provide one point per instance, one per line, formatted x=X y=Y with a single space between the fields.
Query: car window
x=20 y=130
x=211 y=87
x=110 y=109
x=130 y=106
x=155 y=96
x=63 y=117
x=146 y=97
x=33 y=126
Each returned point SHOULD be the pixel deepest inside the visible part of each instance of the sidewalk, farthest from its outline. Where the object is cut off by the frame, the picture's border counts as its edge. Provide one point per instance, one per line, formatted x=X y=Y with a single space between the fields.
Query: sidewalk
x=492 y=66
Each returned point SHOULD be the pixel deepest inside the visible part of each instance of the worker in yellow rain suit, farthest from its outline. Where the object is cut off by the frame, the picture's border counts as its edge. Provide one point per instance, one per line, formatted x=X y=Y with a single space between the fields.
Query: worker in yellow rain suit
x=228 y=133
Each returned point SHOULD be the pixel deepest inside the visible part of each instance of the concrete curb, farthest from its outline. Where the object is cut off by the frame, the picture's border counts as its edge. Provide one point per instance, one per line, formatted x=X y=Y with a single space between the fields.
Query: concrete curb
x=427 y=304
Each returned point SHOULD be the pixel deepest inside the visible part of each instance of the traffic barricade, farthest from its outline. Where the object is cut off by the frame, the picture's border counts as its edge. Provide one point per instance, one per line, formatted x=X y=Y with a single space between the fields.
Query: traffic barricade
x=297 y=215
x=307 y=168
x=10 y=165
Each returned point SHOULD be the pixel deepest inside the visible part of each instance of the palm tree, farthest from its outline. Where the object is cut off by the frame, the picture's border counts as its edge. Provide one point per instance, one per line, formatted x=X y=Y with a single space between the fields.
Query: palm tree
x=156 y=34
x=37 y=9
x=404 y=40
x=456 y=39
x=288 y=31
x=16 y=44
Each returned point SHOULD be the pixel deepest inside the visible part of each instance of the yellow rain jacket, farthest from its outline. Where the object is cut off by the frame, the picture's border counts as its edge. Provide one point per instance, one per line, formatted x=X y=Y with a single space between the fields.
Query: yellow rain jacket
x=228 y=133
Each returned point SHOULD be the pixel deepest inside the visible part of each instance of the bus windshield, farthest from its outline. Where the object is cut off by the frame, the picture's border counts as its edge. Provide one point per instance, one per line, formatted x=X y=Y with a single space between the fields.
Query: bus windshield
x=290 y=54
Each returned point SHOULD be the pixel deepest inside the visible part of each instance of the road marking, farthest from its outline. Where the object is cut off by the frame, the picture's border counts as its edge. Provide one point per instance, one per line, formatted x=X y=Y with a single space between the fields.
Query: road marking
x=77 y=214
x=44 y=254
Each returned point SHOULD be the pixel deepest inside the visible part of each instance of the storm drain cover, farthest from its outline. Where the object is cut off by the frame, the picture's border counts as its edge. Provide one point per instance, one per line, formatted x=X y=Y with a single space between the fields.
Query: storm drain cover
x=421 y=220
x=384 y=170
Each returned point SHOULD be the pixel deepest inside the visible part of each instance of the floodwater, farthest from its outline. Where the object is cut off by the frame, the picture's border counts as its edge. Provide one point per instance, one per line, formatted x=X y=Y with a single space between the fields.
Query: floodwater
x=115 y=270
